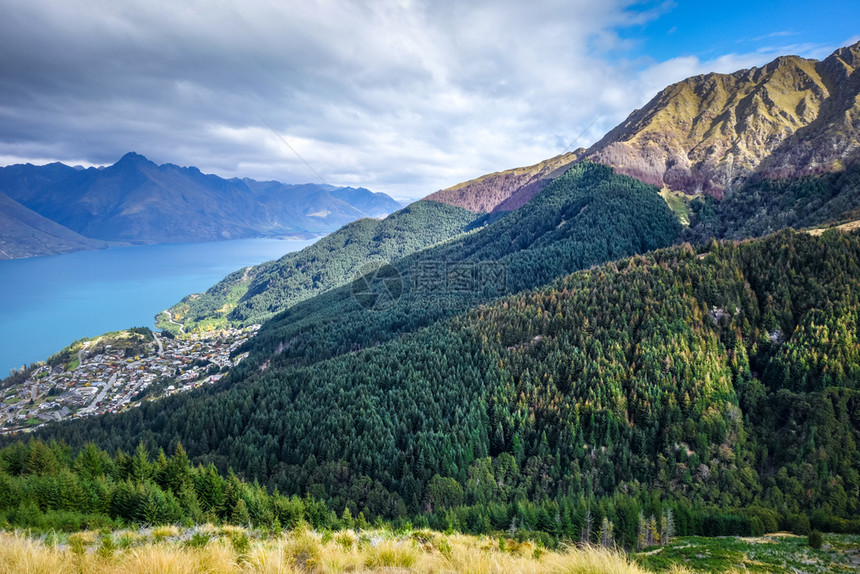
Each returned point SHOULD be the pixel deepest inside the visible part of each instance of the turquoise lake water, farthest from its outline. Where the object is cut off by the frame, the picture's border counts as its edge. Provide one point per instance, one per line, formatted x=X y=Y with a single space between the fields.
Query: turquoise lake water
x=48 y=302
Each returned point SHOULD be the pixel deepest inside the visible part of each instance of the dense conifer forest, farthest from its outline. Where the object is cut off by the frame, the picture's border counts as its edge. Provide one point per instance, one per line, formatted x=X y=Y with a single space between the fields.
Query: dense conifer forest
x=717 y=382
x=47 y=488
x=768 y=205
x=559 y=372
x=251 y=296
x=586 y=217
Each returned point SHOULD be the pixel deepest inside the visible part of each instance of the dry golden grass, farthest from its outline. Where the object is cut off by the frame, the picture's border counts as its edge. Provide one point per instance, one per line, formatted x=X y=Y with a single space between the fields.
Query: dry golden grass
x=233 y=551
x=21 y=554
x=845 y=228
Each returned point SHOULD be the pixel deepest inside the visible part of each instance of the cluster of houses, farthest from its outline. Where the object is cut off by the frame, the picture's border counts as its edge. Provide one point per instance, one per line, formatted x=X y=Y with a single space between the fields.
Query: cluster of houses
x=103 y=378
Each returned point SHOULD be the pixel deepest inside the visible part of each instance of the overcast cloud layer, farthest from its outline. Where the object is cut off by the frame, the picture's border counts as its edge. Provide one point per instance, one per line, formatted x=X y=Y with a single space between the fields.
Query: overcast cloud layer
x=404 y=97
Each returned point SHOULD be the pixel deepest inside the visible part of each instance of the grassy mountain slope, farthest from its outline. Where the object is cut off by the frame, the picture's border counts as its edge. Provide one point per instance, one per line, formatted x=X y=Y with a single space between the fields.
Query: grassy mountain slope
x=709 y=133
x=241 y=550
x=25 y=233
x=254 y=294
x=506 y=190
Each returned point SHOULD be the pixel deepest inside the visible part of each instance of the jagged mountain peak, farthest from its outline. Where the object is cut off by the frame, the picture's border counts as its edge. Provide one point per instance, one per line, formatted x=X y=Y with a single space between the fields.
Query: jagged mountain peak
x=133 y=158
x=848 y=55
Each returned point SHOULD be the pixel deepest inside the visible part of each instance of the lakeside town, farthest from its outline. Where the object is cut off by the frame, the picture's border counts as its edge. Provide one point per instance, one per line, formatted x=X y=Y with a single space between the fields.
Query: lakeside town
x=117 y=371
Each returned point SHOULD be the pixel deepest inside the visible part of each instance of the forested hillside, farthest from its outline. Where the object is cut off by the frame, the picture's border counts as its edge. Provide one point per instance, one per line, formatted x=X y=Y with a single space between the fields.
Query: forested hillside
x=255 y=294
x=552 y=235
x=722 y=379
x=767 y=205
x=585 y=217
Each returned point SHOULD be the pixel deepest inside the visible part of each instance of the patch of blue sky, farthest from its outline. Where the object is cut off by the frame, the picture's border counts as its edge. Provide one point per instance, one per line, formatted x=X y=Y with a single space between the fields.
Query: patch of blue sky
x=709 y=29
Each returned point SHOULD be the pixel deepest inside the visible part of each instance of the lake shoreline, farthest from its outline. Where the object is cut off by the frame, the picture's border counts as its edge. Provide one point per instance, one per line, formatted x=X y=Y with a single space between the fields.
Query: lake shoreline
x=48 y=302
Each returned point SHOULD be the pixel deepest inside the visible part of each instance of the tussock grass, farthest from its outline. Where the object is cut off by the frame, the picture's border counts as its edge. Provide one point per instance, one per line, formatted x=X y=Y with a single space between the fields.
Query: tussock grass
x=21 y=554
x=161 y=533
x=391 y=554
x=302 y=551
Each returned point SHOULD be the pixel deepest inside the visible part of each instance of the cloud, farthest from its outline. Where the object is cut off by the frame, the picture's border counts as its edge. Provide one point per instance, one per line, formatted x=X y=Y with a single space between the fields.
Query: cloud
x=403 y=96
x=777 y=34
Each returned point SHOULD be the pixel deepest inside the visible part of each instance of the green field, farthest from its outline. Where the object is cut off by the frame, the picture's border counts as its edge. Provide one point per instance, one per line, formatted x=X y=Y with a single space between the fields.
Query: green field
x=679 y=203
x=772 y=553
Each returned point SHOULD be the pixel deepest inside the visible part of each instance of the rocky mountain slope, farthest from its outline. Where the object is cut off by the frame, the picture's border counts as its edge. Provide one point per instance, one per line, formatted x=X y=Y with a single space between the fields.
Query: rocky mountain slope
x=506 y=190
x=712 y=133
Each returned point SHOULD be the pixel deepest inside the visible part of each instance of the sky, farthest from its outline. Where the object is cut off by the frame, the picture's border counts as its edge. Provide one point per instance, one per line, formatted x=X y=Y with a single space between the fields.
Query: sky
x=400 y=96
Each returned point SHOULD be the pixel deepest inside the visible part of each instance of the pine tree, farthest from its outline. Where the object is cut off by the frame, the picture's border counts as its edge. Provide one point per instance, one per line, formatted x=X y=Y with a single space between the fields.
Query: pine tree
x=240 y=514
x=90 y=462
x=141 y=469
x=178 y=469
x=641 y=532
x=346 y=520
x=190 y=503
x=361 y=521
x=519 y=452
x=606 y=536
x=668 y=528
x=42 y=459
x=653 y=535
x=585 y=537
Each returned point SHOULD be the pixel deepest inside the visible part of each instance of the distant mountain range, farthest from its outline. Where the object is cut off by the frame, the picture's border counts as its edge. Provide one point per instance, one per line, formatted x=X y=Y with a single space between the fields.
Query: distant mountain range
x=25 y=233
x=712 y=133
x=56 y=208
